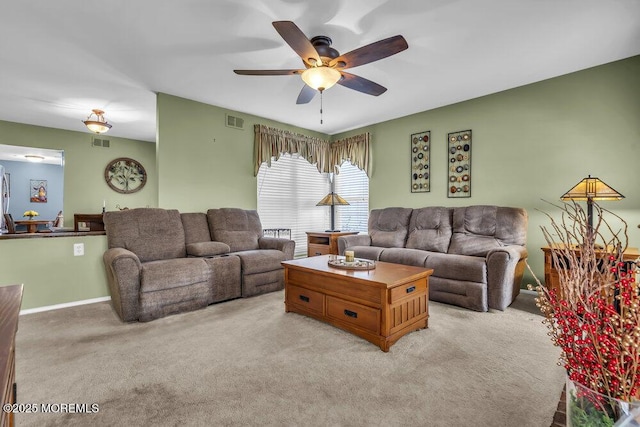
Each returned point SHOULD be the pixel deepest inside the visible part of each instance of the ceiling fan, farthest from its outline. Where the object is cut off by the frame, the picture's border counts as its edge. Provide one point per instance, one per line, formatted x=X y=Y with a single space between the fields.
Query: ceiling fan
x=324 y=65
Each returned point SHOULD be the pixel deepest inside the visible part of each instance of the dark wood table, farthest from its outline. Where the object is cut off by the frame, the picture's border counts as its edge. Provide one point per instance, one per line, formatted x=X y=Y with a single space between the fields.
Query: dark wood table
x=32 y=224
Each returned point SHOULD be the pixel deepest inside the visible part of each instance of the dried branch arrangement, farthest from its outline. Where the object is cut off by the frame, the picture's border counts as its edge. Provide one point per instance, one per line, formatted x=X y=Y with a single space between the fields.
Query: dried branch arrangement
x=594 y=316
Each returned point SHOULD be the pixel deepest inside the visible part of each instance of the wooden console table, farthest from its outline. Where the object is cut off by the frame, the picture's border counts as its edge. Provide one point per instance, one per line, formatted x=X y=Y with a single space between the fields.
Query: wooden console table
x=324 y=242
x=10 y=301
x=551 y=276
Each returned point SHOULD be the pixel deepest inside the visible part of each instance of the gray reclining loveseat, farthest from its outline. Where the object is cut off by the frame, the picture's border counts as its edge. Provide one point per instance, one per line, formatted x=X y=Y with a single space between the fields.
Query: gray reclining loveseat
x=477 y=253
x=160 y=262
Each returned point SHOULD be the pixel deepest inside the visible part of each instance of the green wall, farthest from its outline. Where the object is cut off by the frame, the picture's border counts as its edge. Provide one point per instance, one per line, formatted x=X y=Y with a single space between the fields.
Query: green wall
x=46 y=266
x=202 y=163
x=530 y=144
x=49 y=271
x=84 y=184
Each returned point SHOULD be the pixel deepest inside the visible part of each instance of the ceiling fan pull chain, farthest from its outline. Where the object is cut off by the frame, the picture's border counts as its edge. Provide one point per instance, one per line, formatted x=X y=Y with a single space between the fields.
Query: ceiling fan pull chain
x=321 y=106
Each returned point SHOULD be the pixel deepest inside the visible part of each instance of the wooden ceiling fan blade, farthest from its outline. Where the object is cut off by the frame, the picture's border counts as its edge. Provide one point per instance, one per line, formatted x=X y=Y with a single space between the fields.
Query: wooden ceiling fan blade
x=298 y=41
x=306 y=94
x=267 y=72
x=370 y=53
x=361 y=84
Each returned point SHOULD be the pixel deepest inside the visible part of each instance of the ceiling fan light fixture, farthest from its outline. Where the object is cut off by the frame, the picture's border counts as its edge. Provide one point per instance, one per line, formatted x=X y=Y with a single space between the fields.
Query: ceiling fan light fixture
x=321 y=78
x=99 y=125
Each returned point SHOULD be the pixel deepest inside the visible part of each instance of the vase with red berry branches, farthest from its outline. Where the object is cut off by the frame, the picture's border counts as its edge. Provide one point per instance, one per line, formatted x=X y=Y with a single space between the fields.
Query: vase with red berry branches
x=594 y=316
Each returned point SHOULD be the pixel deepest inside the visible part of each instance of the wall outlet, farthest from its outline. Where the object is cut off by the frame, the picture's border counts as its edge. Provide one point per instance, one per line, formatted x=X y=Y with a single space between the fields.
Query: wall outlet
x=78 y=249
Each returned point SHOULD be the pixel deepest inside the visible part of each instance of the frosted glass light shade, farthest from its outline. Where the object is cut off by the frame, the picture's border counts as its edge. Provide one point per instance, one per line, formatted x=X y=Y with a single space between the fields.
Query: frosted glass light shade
x=99 y=125
x=321 y=78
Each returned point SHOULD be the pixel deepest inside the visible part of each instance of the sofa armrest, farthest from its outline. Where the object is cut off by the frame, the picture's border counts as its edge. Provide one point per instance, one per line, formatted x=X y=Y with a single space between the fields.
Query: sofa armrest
x=505 y=268
x=123 y=276
x=285 y=245
x=345 y=242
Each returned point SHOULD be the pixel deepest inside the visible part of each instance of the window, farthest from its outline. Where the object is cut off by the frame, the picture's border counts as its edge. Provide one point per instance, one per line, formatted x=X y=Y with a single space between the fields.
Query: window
x=353 y=185
x=289 y=190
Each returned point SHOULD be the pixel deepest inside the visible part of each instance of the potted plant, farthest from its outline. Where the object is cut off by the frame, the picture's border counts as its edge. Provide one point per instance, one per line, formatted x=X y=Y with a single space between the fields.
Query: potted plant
x=594 y=317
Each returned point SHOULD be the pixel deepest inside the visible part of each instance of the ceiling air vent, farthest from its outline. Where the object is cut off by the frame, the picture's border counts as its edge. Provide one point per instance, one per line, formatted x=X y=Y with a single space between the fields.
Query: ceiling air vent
x=98 y=142
x=234 y=122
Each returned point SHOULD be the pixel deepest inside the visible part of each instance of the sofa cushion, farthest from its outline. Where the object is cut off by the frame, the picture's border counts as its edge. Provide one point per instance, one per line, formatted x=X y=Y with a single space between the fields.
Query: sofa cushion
x=388 y=227
x=430 y=229
x=367 y=252
x=478 y=229
x=404 y=256
x=238 y=228
x=173 y=273
x=196 y=227
x=260 y=261
x=204 y=249
x=150 y=233
x=458 y=267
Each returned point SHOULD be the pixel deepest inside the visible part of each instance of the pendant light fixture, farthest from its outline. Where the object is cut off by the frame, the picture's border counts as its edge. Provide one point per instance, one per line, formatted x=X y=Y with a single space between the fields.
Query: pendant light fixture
x=99 y=125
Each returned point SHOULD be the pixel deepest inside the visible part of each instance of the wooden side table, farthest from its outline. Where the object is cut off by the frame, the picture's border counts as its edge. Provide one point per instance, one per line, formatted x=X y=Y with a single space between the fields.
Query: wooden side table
x=324 y=242
x=551 y=276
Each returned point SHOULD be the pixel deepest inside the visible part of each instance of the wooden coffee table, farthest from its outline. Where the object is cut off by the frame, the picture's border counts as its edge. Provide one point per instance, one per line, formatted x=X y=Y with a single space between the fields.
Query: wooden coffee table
x=380 y=305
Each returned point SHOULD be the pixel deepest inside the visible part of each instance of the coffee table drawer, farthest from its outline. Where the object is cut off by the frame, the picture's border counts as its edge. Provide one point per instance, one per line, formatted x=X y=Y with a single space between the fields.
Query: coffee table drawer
x=311 y=300
x=314 y=249
x=407 y=290
x=356 y=314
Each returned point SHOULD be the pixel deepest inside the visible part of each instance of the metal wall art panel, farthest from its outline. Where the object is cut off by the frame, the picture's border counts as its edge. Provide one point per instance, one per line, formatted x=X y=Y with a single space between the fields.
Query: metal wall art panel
x=420 y=160
x=459 y=164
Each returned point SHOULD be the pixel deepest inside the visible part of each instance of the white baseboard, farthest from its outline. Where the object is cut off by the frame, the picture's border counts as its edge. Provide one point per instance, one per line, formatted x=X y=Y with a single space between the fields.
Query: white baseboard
x=64 y=305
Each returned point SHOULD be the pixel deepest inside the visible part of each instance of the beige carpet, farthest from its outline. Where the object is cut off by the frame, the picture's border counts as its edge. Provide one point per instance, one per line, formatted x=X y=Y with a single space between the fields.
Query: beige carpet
x=246 y=362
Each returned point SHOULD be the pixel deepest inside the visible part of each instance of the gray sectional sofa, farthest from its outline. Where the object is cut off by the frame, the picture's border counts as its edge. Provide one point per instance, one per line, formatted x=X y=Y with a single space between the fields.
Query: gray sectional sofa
x=160 y=261
x=477 y=253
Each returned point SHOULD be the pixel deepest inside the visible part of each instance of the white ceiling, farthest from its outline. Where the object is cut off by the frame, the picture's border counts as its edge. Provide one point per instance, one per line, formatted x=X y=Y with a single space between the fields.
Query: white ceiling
x=17 y=153
x=60 y=59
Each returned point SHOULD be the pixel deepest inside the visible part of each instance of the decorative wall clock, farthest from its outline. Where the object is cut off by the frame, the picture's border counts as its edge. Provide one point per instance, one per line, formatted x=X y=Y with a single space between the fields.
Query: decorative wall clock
x=125 y=175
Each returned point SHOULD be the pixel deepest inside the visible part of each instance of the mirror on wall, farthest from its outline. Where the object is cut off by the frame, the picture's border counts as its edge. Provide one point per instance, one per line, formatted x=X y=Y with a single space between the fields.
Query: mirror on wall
x=31 y=179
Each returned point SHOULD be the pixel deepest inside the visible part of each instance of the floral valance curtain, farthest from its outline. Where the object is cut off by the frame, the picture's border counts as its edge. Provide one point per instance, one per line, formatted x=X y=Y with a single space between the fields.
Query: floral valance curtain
x=270 y=143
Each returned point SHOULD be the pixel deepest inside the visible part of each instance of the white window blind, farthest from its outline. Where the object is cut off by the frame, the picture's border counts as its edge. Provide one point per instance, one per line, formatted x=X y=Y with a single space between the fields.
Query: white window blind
x=287 y=195
x=289 y=190
x=353 y=185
